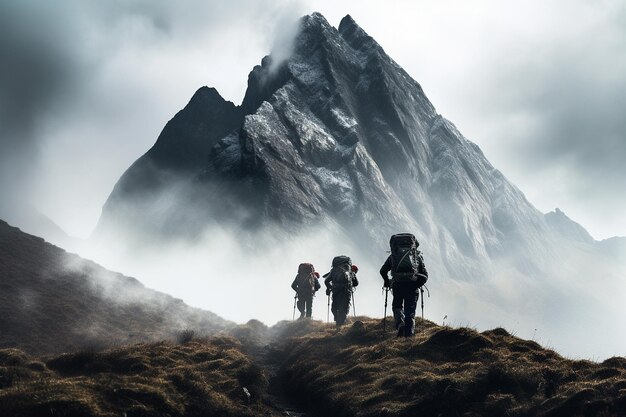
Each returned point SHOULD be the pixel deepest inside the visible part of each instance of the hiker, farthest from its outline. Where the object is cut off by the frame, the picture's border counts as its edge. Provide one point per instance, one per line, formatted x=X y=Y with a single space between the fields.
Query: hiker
x=306 y=285
x=408 y=274
x=340 y=281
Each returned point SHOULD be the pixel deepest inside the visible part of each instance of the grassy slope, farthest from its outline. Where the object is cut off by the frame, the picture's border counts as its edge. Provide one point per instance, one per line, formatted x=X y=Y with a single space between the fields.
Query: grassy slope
x=354 y=372
x=52 y=301
x=198 y=378
x=445 y=372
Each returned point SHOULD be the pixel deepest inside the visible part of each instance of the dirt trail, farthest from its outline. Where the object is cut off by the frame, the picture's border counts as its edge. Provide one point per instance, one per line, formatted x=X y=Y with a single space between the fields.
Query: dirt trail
x=268 y=358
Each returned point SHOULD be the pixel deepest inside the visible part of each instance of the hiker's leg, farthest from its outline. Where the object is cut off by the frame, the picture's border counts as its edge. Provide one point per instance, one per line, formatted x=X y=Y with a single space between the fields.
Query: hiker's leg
x=301 y=305
x=410 y=304
x=396 y=305
x=334 y=305
x=343 y=307
x=309 y=306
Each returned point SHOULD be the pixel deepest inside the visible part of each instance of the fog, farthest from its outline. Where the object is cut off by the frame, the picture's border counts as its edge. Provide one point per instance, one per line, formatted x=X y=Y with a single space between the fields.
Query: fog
x=247 y=275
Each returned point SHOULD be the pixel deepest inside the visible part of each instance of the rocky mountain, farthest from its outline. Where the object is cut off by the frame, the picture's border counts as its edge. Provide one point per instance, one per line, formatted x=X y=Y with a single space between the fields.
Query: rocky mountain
x=336 y=132
x=339 y=133
x=52 y=301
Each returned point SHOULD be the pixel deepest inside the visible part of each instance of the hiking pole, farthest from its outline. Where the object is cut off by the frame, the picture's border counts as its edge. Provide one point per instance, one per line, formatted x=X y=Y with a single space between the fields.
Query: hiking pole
x=353 y=306
x=422 y=295
x=295 y=299
x=385 y=316
x=328 y=311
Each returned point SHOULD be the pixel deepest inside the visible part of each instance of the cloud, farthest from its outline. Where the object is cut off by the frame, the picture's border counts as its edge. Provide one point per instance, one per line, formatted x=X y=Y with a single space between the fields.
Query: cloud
x=36 y=70
x=563 y=128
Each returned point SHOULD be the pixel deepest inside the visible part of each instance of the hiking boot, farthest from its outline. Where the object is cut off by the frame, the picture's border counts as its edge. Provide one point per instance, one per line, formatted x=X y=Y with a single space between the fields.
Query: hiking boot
x=400 y=330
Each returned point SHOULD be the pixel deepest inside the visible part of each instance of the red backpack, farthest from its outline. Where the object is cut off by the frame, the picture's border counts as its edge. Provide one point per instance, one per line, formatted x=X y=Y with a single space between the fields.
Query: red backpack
x=306 y=278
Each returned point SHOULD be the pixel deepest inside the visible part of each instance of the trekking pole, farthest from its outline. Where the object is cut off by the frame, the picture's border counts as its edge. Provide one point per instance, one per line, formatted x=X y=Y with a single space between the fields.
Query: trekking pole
x=353 y=306
x=295 y=299
x=385 y=316
x=328 y=311
x=422 y=295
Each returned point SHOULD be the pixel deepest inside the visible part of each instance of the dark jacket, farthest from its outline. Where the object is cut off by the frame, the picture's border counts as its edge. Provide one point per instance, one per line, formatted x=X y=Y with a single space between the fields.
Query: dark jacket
x=302 y=285
x=328 y=282
x=420 y=268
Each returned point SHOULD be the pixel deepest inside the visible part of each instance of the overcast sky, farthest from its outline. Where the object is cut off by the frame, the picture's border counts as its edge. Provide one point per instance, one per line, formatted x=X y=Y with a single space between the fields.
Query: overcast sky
x=86 y=87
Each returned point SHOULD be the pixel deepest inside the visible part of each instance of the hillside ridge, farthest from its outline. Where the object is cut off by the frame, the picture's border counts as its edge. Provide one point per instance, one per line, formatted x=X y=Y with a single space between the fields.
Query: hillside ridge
x=356 y=371
x=52 y=301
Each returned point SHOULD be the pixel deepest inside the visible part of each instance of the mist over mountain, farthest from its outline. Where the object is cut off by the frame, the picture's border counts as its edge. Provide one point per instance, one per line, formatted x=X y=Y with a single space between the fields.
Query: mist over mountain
x=52 y=301
x=337 y=139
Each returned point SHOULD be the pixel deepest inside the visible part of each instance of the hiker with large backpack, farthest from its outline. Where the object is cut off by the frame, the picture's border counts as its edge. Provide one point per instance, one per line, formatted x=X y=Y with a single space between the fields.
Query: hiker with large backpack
x=306 y=285
x=408 y=275
x=340 y=281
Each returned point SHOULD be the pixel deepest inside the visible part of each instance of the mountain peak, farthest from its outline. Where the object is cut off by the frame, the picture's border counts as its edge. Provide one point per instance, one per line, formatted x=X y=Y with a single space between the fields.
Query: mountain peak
x=348 y=24
x=315 y=19
x=566 y=227
x=347 y=21
x=355 y=35
x=207 y=96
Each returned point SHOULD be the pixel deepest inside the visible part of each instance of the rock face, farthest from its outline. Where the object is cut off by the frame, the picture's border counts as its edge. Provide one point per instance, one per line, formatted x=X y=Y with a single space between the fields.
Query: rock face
x=336 y=133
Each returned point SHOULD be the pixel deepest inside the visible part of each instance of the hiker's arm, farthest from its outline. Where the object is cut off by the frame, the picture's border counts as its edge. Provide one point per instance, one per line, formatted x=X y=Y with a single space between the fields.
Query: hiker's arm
x=422 y=267
x=422 y=273
x=327 y=281
x=384 y=270
x=294 y=284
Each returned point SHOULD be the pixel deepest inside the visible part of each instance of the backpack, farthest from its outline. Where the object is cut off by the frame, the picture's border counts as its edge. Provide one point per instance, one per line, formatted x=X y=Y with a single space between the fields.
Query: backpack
x=341 y=273
x=305 y=268
x=404 y=257
x=306 y=279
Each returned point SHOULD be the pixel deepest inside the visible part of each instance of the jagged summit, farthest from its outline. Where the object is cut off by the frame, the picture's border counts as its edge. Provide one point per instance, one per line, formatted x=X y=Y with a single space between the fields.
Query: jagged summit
x=355 y=35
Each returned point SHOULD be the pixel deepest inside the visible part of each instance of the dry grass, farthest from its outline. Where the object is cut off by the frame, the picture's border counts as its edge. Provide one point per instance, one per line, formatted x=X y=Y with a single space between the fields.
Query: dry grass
x=198 y=378
x=444 y=372
x=356 y=371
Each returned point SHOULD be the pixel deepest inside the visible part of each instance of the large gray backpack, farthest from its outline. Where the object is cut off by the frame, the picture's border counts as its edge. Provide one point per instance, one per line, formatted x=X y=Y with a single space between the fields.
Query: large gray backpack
x=341 y=273
x=404 y=257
